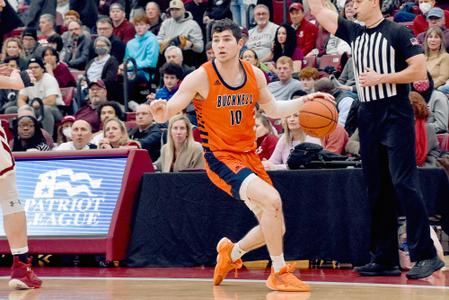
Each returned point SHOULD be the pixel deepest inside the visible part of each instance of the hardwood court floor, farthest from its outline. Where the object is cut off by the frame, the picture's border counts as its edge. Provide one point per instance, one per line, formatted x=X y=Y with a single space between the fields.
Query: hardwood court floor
x=196 y=284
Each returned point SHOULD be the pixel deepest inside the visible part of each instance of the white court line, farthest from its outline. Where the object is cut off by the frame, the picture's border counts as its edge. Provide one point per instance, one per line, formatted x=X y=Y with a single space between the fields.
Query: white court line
x=359 y=284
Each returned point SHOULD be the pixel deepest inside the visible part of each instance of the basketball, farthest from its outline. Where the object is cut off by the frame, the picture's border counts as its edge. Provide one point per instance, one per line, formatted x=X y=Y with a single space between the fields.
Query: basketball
x=318 y=118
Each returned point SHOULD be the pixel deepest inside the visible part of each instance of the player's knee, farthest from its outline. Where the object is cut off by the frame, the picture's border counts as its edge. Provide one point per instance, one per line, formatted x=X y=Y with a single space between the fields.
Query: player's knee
x=272 y=202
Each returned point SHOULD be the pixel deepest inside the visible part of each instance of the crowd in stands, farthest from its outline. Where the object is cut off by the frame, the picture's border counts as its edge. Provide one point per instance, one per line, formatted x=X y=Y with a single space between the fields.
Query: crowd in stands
x=80 y=51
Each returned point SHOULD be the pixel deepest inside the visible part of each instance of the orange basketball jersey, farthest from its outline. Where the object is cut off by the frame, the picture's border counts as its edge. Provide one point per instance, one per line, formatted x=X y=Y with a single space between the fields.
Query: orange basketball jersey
x=226 y=116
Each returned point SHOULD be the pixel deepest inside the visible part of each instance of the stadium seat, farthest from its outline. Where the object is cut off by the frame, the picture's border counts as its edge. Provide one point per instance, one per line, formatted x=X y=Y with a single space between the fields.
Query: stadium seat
x=309 y=61
x=130 y=116
x=443 y=141
x=329 y=60
x=8 y=117
x=67 y=95
x=196 y=135
x=76 y=73
x=131 y=124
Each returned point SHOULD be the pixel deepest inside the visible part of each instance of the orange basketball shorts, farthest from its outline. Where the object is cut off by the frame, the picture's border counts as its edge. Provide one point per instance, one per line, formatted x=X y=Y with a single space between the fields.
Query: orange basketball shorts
x=227 y=170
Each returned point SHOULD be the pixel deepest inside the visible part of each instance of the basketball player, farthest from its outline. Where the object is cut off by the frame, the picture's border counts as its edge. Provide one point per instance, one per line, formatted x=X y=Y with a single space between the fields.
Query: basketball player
x=225 y=92
x=14 y=219
x=386 y=58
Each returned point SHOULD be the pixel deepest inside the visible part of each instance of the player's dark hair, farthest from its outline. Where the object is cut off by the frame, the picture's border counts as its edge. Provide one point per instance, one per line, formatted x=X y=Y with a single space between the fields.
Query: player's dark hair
x=227 y=24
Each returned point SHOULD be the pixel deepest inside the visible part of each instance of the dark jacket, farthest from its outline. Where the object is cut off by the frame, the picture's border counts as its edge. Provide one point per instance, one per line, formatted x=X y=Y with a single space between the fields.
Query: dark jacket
x=149 y=139
x=38 y=8
x=9 y=20
x=81 y=54
x=109 y=74
x=88 y=10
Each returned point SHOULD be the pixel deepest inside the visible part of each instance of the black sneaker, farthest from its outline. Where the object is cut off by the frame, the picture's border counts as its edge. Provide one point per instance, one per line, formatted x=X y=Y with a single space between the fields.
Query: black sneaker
x=374 y=269
x=425 y=268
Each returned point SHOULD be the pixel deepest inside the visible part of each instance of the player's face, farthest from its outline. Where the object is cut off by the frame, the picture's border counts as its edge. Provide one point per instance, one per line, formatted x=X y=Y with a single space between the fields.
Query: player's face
x=293 y=121
x=225 y=45
x=2 y=4
x=282 y=35
x=179 y=131
x=260 y=129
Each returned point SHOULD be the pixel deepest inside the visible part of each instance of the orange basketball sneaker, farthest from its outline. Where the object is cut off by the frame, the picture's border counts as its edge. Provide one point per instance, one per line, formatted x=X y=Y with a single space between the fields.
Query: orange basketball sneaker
x=224 y=261
x=286 y=281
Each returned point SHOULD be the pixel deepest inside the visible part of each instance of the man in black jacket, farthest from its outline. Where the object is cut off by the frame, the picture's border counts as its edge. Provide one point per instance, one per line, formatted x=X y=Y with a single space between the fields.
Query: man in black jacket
x=147 y=132
x=77 y=48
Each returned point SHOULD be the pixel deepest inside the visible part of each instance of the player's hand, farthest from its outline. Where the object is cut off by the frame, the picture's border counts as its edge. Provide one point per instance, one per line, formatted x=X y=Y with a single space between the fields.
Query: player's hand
x=158 y=109
x=370 y=78
x=312 y=96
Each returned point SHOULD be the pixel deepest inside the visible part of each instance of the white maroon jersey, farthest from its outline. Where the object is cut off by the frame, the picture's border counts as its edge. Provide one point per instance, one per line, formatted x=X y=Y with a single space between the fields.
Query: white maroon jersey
x=6 y=160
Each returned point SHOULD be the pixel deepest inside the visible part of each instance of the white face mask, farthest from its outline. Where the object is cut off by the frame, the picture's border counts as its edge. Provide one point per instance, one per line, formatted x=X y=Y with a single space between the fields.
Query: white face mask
x=67 y=132
x=425 y=7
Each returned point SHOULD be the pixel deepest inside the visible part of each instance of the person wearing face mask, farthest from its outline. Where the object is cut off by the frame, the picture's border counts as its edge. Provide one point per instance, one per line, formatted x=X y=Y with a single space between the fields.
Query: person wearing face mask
x=104 y=66
x=420 y=23
x=64 y=131
x=436 y=102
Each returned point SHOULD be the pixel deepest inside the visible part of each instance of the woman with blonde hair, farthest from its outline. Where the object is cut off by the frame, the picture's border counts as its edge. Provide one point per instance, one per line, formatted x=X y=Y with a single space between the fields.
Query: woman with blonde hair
x=116 y=135
x=13 y=47
x=293 y=135
x=437 y=58
x=180 y=152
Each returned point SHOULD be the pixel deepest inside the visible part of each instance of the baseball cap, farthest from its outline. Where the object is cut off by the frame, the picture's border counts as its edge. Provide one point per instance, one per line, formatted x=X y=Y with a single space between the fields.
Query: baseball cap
x=67 y=119
x=30 y=32
x=36 y=60
x=435 y=12
x=176 y=4
x=100 y=83
x=296 y=6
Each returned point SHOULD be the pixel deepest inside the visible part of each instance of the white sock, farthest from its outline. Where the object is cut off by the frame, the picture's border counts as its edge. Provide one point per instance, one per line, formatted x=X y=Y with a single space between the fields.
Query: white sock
x=17 y=251
x=278 y=262
x=237 y=252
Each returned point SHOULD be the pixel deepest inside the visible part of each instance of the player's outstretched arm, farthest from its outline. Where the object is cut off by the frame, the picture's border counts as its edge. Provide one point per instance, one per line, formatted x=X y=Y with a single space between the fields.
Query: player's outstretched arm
x=163 y=110
x=326 y=17
x=281 y=108
x=14 y=81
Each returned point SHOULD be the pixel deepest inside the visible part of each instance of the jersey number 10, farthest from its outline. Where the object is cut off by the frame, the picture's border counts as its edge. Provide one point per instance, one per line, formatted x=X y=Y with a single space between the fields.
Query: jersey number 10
x=236 y=117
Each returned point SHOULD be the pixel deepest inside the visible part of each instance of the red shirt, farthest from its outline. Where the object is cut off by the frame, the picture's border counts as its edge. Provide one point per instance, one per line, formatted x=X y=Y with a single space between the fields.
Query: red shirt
x=306 y=35
x=420 y=23
x=266 y=145
x=125 y=31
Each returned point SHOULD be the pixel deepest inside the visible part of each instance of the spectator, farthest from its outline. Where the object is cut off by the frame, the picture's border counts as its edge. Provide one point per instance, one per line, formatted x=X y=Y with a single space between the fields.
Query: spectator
x=437 y=59
x=27 y=110
x=198 y=10
x=172 y=75
x=251 y=56
x=97 y=96
x=81 y=134
x=174 y=55
x=29 y=41
x=144 y=48
x=88 y=11
x=437 y=103
x=181 y=152
x=115 y=135
x=262 y=36
x=27 y=136
x=343 y=99
x=64 y=131
x=426 y=142
x=308 y=76
x=124 y=30
x=105 y=29
x=180 y=30
x=306 y=32
x=147 y=132
x=285 y=45
x=45 y=88
x=348 y=11
x=336 y=141
x=57 y=69
x=419 y=23
x=346 y=81
x=8 y=97
x=218 y=10
x=435 y=18
x=104 y=66
x=287 y=85
x=105 y=111
x=293 y=135
x=209 y=51
x=47 y=24
x=153 y=12
x=266 y=137
x=70 y=16
x=78 y=46
x=56 y=42
x=13 y=47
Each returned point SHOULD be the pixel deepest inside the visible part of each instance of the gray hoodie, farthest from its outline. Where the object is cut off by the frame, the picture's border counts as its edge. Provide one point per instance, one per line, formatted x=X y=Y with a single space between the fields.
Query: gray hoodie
x=186 y=26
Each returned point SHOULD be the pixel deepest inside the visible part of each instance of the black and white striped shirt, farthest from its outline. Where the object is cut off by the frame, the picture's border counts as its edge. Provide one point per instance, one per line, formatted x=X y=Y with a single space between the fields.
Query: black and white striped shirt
x=384 y=49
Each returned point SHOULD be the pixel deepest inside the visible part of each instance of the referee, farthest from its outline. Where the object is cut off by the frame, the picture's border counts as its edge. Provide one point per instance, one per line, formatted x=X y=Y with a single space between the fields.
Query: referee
x=386 y=59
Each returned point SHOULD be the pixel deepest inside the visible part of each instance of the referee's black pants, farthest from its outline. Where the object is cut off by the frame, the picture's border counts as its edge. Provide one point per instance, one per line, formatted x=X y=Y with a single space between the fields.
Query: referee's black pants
x=387 y=145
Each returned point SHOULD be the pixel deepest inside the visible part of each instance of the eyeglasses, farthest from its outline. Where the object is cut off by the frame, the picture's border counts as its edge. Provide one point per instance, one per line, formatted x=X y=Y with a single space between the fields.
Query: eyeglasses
x=22 y=126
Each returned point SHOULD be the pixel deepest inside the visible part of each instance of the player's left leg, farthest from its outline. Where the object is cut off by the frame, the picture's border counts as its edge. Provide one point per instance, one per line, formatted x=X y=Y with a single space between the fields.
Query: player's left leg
x=14 y=220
